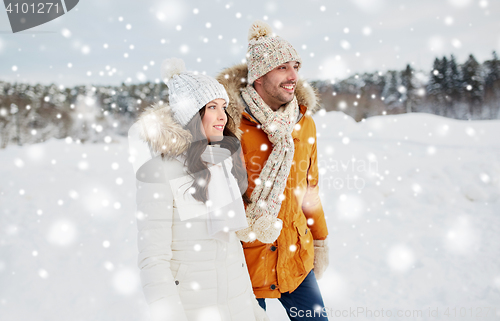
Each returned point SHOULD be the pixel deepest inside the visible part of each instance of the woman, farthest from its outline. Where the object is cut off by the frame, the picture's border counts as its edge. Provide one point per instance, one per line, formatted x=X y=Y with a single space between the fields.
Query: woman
x=190 y=180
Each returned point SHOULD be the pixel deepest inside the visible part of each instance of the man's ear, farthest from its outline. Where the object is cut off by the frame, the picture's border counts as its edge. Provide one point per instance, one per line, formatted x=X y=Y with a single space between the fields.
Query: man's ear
x=258 y=81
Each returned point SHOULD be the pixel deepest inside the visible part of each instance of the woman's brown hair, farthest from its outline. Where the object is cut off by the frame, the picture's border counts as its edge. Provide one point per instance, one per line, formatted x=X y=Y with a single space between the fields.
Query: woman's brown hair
x=199 y=170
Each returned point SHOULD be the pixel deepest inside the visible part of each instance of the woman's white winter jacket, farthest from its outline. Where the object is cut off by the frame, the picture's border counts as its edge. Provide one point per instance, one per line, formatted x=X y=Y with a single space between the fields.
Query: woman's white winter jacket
x=185 y=274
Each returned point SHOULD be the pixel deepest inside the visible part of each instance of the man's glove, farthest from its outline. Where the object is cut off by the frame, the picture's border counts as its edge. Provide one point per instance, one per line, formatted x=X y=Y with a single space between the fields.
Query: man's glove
x=321 y=259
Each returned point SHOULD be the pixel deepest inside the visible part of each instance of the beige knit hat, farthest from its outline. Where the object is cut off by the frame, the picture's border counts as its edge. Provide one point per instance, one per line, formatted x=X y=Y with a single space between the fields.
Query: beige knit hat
x=188 y=92
x=266 y=52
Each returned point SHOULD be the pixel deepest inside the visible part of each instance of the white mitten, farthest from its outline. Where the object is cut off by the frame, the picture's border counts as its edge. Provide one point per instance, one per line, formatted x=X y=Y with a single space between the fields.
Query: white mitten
x=321 y=257
x=246 y=234
x=260 y=314
x=267 y=228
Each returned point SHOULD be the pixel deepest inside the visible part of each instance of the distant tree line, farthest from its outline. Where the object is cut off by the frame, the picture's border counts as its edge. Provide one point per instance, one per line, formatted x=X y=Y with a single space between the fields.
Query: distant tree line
x=30 y=114
x=35 y=113
x=467 y=91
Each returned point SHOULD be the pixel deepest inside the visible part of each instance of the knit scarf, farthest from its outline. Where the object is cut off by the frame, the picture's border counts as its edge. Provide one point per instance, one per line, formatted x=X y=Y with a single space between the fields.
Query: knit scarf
x=226 y=212
x=262 y=213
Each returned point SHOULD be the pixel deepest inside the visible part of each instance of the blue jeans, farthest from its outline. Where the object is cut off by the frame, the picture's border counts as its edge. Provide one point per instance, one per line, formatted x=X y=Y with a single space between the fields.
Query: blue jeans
x=305 y=303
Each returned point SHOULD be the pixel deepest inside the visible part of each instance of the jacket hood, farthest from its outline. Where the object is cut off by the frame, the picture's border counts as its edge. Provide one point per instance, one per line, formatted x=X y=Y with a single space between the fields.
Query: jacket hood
x=234 y=79
x=157 y=127
x=156 y=133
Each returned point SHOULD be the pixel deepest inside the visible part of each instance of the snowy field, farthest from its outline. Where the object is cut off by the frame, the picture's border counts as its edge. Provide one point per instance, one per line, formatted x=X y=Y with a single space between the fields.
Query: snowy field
x=412 y=204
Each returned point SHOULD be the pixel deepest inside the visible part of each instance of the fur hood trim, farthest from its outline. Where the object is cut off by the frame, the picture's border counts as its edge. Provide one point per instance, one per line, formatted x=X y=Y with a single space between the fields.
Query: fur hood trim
x=234 y=79
x=164 y=135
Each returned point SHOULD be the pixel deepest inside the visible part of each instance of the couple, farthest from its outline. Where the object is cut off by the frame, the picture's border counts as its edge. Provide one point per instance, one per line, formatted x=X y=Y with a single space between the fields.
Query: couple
x=224 y=225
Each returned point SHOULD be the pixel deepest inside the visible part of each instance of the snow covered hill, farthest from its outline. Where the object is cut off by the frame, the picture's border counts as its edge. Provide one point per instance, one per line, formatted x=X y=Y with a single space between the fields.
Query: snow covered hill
x=412 y=204
x=419 y=227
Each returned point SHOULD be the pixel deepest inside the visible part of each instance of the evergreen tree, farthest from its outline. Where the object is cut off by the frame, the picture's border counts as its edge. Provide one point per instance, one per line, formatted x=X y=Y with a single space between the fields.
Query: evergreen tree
x=390 y=92
x=493 y=70
x=435 y=86
x=474 y=90
x=452 y=84
x=409 y=87
x=492 y=85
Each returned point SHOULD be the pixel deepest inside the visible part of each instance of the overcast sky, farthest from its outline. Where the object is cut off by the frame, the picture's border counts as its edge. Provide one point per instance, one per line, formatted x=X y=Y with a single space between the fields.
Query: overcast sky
x=111 y=41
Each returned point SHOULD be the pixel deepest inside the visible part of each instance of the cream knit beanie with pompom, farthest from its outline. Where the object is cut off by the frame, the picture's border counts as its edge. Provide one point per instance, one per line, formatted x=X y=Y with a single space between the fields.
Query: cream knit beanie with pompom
x=188 y=92
x=266 y=51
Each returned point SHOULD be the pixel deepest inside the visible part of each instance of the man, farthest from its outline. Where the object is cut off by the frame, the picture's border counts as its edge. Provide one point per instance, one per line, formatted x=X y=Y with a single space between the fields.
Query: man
x=287 y=234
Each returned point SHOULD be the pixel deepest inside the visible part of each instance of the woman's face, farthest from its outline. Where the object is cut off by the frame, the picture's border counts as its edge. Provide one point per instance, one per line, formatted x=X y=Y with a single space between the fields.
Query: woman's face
x=214 y=120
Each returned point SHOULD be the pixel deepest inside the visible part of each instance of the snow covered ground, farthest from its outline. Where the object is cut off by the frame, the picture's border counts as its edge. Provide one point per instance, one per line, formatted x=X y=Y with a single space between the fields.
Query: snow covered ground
x=412 y=204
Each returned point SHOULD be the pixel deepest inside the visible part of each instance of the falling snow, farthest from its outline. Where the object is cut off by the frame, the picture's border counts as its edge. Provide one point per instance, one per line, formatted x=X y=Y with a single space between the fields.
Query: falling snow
x=411 y=221
x=412 y=209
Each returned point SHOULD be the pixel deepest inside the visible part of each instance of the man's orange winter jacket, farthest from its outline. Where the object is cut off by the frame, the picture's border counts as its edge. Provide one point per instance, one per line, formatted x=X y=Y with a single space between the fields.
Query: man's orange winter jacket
x=282 y=266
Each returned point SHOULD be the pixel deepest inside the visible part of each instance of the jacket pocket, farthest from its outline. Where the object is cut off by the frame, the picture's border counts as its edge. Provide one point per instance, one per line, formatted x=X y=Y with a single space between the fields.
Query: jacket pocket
x=305 y=247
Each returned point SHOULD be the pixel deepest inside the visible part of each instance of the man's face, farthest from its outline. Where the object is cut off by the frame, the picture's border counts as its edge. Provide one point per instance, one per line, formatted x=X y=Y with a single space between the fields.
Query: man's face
x=277 y=87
